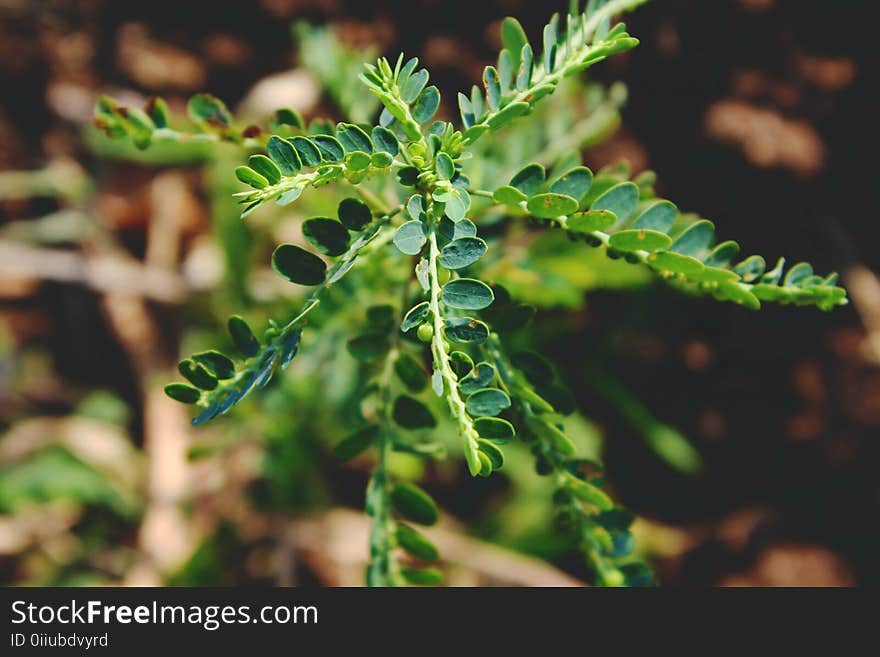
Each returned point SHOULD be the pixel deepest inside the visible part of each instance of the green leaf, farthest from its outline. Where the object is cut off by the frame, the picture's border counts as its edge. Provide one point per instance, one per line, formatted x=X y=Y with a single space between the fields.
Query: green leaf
x=358 y=161
x=297 y=265
x=588 y=222
x=308 y=152
x=445 y=166
x=327 y=235
x=462 y=252
x=284 y=155
x=639 y=239
x=455 y=230
x=243 y=337
x=575 y=183
x=529 y=179
x=667 y=261
x=733 y=291
x=197 y=374
x=416 y=544
x=183 y=393
x=331 y=150
x=478 y=378
x=157 y=109
x=751 y=268
x=535 y=368
x=409 y=371
x=353 y=214
x=553 y=434
x=385 y=141
x=356 y=443
x=426 y=105
x=410 y=413
x=493 y=87
x=265 y=167
x=416 y=315
x=465 y=329
x=589 y=493
x=487 y=402
x=508 y=195
x=422 y=576
x=508 y=114
x=216 y=363
x=800 y=272
x=695 y=240
x=368 y=346
x=620 y=199
x=513 y=38
x=551 y=205
x=414 y=86
x=414 y=504
x=467 y=294
x=658 y=216
x=410 y=237
x=209 y=111
x=353 y=138
x=722 y=254
x=250 y=177
x=495 y=429
x=495 y=455
x=288 y=116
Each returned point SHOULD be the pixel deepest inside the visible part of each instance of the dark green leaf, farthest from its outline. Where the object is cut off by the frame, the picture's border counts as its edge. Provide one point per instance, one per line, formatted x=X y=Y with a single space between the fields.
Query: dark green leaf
x=462 y=252
x=331 y=150
x=308 y=152
x=496 y=456
x=353 y=138
x=495 y=428
x=183 y=393
x=412 y=414
x=416 y=315
x=353 y=214
x=466 y=329
x=327 y=235
x=385 y=141
x=243 y=337
x=478 y=378
x=197 y=374
x=216 y=363
x=297 y=265
x=529 y=179
x=467 y=294
x=409 y=371
x=487 y=402
x=536 y=368
x=722 y=254
x=461 y=363
x=284 y=155
x=414 y=504
x=751 y=268
x=368 y=346
x=356 y=443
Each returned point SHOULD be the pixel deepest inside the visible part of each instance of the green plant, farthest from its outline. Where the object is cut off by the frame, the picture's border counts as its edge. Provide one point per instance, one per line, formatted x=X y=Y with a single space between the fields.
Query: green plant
x=433 y=325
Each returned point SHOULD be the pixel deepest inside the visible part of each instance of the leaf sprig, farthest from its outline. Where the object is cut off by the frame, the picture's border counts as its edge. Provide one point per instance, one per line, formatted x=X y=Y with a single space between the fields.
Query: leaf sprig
x=451 y=323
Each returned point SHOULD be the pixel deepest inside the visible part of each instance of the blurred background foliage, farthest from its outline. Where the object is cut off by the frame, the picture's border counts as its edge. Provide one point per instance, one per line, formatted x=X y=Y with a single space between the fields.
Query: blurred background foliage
x=746 y=443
